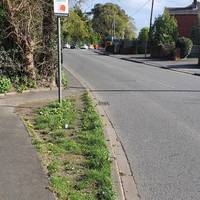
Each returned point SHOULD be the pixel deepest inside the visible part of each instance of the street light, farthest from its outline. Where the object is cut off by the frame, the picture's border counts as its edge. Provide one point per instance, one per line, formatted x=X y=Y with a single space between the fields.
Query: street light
x=114 y=25
x=150 y=30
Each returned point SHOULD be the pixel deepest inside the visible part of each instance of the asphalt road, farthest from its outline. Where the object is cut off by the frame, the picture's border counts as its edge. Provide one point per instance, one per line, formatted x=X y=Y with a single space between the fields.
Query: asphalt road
x=156 y=113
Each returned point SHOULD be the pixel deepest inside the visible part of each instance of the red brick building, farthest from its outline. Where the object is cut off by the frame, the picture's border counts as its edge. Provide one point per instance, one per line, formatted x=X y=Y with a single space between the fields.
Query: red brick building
x=186 y=17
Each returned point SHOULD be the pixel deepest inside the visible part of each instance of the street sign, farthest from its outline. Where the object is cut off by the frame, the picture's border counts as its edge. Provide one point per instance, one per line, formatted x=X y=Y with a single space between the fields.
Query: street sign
x=61 y=7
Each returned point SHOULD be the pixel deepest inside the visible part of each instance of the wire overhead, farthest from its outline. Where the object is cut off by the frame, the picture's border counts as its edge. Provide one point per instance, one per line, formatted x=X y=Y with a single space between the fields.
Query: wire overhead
x=141 y=7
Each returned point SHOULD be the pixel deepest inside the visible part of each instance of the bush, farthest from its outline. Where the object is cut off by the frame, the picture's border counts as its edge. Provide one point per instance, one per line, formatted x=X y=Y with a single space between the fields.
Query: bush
x=163 y=51
x=64 y=80
x=164 y=30
x=185 y=46
x=9 y=62
x=22 y=83
x=5 y=84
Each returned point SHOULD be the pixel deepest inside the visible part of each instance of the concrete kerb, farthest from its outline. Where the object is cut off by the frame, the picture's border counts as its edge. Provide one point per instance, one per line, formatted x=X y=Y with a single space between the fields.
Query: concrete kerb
x=149 y=64
x=123 y=178
x=28 y=91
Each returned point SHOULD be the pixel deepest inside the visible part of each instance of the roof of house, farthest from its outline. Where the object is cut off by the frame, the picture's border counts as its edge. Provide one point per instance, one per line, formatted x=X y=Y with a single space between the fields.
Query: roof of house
x=193 y=9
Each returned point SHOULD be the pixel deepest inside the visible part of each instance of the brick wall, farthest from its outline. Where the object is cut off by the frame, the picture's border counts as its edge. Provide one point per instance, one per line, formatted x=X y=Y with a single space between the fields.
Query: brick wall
x=185 y=24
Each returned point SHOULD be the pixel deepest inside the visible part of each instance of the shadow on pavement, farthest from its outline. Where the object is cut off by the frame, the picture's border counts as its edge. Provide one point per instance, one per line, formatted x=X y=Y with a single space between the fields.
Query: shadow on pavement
x=184 y=66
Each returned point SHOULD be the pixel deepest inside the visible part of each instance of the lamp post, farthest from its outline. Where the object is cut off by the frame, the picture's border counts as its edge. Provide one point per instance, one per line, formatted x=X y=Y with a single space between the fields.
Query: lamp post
x=113 y=26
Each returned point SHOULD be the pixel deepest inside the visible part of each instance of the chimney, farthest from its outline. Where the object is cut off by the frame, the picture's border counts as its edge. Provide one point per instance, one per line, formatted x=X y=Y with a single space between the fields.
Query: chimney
x=195 y=3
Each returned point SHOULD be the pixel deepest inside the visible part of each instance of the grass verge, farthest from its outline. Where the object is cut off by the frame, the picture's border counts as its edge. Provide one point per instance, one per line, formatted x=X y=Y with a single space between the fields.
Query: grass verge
x=71 y=144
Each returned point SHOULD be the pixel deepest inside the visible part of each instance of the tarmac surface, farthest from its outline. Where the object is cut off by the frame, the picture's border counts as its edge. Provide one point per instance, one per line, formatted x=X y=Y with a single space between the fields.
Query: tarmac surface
x=188 y=65
x=155 y=113
x=21 y=174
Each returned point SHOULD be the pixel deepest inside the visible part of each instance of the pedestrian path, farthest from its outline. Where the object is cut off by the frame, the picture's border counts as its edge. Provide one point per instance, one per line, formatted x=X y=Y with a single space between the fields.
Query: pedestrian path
x=21 y=173
x=188 y=66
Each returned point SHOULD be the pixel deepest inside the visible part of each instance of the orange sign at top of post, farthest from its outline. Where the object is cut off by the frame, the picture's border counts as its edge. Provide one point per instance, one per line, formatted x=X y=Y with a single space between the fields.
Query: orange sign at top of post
x=61 y=7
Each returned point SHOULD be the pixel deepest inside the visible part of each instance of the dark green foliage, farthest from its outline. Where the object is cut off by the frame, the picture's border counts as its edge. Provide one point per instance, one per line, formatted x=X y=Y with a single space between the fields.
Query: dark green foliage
x=2 y=21
x=11 y=66
x=23 y=82
x=164 y=30
x=104 y=17
x=31 y=32
x=142 y=40
x=143 y=34
x=163 y=36
x=83 y=34
x=185 y=46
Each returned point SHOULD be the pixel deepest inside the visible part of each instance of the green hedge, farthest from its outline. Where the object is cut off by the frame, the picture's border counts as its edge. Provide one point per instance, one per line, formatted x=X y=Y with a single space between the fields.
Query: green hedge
x=185 y=46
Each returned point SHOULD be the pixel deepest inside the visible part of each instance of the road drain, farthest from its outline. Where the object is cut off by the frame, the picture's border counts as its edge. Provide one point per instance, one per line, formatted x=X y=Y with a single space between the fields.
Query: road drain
x=103 y=103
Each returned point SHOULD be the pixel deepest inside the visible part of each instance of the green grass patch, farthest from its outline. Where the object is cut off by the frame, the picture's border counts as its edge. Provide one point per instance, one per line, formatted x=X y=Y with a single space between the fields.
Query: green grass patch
x=54 y=166
x=54 y=116
x=61 y=186
x=76 y=158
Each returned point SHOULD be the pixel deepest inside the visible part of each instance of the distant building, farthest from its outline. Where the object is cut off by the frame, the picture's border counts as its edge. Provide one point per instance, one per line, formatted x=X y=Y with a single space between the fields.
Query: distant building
x=186 y=17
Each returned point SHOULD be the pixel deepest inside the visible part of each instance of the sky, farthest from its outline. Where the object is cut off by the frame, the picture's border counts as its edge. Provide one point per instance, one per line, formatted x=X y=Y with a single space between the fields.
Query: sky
x=140 y=9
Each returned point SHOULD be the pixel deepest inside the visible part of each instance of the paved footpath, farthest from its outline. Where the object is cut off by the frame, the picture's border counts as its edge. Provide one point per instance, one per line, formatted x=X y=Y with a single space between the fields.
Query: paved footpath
x=21 y=173
x=188 y=66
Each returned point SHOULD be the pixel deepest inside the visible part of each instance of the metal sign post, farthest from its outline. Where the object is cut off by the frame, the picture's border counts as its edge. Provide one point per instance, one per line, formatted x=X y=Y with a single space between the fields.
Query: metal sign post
x=60 y=9
x=59 y=62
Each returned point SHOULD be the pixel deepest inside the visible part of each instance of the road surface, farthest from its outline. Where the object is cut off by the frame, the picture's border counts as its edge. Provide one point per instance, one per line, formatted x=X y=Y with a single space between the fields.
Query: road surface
x=156 y=113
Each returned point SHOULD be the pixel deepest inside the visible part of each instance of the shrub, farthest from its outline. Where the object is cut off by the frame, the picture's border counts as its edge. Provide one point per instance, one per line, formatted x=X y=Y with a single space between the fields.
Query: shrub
x=22 y=83
x=143 y=34
x=163 y=51
x=9 y=62
x=5 y=84
x=164 y=30
x=185 y=45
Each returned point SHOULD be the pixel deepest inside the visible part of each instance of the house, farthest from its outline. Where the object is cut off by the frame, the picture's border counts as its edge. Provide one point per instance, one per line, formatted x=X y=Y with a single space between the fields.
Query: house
x=186 y=17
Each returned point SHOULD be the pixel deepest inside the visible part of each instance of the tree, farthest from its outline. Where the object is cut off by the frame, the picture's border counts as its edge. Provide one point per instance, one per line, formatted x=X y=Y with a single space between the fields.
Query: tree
x=143 y=34
x=105 y=16
x=2 y=19
x=48 y=54
x=25 y=28
x=74 y=28
x=129 y=32
x=164 y=31
x=31 y=28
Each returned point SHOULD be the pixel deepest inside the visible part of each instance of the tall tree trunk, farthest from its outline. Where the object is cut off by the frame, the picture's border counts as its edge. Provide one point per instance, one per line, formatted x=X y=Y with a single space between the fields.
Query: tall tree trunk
x=49 y=68
x=29 y=59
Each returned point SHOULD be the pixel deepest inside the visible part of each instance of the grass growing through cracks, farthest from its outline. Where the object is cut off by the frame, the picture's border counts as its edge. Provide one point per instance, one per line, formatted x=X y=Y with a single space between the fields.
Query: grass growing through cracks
x=77 y=158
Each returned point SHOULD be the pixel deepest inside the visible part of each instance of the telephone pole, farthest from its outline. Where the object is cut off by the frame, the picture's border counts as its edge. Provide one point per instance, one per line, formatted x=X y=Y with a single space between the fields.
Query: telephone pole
x=150 y=30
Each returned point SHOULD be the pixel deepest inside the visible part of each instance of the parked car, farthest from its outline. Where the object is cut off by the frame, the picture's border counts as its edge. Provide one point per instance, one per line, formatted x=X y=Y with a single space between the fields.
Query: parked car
x=91 y=46
x=66 y=46
x=73 y=46
x=85 y=46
